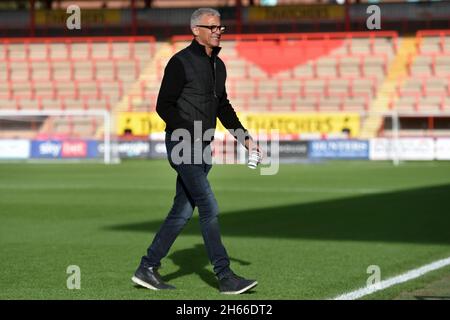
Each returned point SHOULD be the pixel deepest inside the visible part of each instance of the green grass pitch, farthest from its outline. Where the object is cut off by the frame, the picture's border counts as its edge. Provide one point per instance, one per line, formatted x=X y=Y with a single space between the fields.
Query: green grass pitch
x=309 y=232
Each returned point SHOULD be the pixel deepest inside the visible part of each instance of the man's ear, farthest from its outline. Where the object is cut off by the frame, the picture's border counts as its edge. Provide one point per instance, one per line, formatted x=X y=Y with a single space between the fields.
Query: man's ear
x=195 y=31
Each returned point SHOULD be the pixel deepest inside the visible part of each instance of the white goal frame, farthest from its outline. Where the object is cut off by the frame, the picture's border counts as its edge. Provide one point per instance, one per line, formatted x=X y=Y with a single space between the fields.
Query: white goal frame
x=108 y=157
x=395 y=116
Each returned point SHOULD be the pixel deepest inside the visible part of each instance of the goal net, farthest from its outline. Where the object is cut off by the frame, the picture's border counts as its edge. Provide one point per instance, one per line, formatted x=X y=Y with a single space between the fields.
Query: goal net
x=77 y=135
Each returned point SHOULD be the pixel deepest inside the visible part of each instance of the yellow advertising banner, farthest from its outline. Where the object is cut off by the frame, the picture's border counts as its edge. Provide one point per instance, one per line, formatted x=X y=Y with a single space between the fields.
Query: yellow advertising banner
x=139 y=123
x=289 y=13
x=143 y=123
x=301 y=123
x=88 y=17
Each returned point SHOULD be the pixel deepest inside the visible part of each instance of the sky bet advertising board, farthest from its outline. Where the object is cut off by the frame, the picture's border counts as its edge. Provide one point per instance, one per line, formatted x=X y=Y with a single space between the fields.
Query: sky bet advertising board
x=65 y=149
x=91 y=149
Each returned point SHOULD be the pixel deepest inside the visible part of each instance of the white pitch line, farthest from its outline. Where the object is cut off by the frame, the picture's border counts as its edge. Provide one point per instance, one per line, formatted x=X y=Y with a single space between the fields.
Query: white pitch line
x=412 y=274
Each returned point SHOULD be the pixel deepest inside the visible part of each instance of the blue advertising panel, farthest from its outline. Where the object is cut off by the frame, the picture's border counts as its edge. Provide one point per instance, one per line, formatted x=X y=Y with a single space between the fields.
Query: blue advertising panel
x=92 y=149
x=339 y=149
x=46 y=149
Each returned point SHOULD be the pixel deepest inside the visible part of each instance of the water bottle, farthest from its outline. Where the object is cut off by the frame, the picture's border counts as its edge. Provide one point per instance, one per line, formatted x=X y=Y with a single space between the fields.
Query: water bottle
x=254 y=158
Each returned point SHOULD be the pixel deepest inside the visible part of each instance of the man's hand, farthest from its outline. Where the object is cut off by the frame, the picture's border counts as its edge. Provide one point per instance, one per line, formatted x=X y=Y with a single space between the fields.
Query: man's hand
x=251 y=145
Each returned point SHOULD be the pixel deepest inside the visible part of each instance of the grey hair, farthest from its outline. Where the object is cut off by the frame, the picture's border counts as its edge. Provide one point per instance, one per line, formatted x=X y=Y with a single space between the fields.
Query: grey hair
x=197 y=14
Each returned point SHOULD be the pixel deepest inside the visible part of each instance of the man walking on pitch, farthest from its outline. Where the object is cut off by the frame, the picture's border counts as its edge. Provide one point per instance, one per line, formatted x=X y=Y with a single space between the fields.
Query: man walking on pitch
x=193 y=90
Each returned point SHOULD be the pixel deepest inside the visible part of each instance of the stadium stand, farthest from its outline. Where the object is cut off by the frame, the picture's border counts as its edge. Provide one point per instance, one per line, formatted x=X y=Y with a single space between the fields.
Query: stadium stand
x=422 y=94
x=352 y=72
x=304 y=72
x=427 y=86
x=70 y=73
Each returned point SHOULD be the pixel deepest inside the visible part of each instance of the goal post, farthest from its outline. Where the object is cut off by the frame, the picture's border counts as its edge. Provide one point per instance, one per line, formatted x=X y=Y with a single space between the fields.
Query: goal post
x=401 y=136
x=73 y=134
x=385 y=146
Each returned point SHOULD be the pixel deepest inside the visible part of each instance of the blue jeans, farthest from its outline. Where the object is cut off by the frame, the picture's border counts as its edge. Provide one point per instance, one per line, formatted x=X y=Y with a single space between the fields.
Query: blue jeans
x=192 y=190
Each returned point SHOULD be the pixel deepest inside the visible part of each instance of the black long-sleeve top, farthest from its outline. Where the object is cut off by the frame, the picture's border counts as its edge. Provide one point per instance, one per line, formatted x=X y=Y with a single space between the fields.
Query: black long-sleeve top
x=171 y=87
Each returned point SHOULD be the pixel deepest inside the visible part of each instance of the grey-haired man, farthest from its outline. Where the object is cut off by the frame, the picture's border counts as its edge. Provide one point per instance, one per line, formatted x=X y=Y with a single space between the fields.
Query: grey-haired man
x=193 y=90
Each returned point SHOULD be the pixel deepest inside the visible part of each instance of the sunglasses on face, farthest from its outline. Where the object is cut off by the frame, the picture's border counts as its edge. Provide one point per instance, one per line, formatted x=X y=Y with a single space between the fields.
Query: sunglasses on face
x=213 y=28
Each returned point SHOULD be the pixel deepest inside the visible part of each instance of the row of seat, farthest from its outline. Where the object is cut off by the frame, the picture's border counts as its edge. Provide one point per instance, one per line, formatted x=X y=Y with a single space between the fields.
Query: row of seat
x=424 y=85
x=64 y=102
x=421 y=103
x=115 y=89
x=78 y=48
x=433 y=44
x=436 y=64
x=95 y=69
x=426 y=88
x=309 y=102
